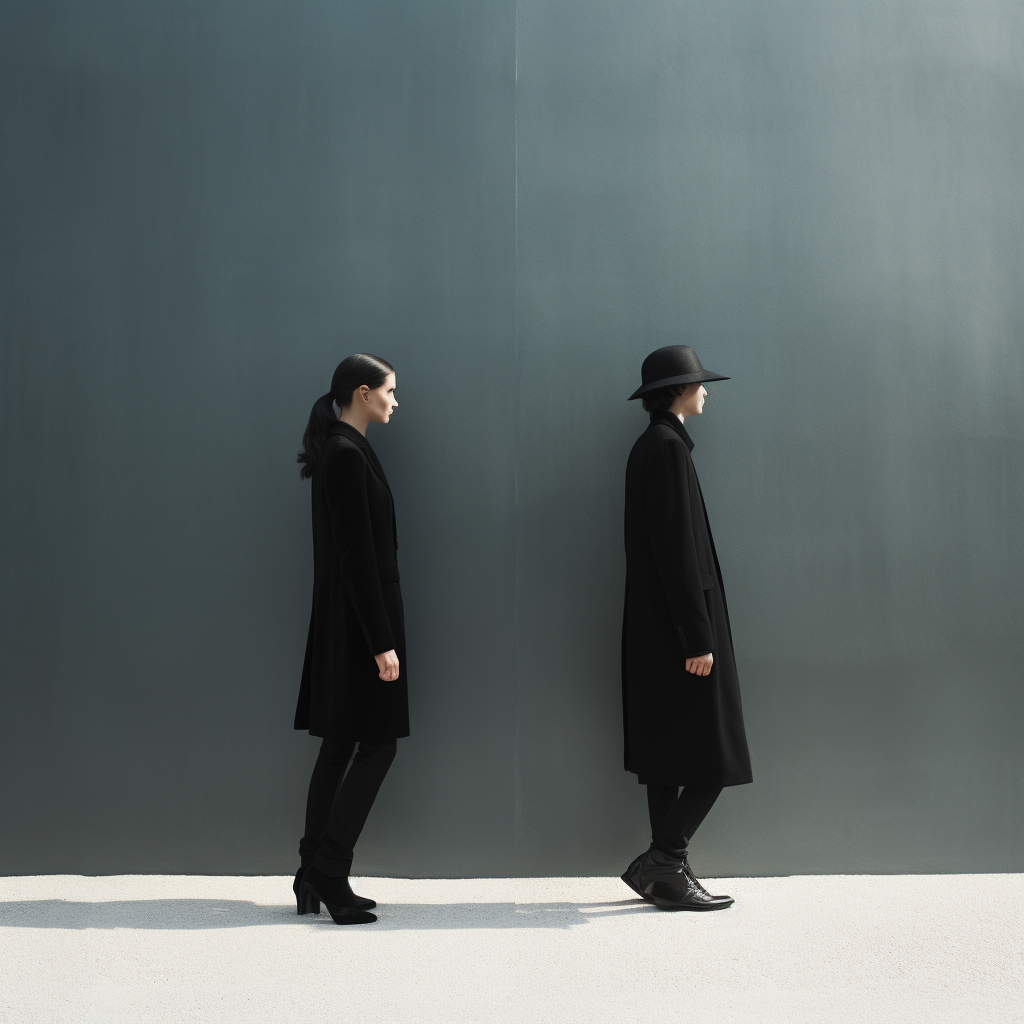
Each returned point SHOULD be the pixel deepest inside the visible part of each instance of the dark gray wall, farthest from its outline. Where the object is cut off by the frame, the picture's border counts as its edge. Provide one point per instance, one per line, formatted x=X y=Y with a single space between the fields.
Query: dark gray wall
x=204 y=206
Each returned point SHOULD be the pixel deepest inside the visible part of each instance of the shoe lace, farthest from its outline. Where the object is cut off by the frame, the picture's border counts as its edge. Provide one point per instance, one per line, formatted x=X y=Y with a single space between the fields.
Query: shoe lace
x=692 y=877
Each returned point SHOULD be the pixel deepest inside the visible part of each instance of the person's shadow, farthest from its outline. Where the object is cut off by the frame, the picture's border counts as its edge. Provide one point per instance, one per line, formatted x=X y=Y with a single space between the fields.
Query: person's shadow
x=211 y=913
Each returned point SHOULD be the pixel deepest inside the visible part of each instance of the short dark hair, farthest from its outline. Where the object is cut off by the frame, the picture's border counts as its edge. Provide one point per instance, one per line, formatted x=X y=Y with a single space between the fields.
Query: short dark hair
x=661 y=399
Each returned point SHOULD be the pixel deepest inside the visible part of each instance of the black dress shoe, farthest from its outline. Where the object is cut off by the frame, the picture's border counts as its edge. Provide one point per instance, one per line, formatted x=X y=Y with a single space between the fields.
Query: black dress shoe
x=700 y=888
x=336 y=895
x=666 y=881
x=308 y=905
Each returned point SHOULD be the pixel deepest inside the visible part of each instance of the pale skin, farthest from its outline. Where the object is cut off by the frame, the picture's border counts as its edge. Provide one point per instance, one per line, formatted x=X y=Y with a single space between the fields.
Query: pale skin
x=691 y=403
x=366 y=406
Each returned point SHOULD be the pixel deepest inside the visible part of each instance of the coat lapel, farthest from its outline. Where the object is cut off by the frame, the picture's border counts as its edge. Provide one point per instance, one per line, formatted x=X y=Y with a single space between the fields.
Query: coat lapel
x=673 y=421
x=353 y=435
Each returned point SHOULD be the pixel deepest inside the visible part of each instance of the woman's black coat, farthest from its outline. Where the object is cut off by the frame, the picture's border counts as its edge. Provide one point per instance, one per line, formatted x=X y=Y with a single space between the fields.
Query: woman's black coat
x=680 y=728
x=357 y=599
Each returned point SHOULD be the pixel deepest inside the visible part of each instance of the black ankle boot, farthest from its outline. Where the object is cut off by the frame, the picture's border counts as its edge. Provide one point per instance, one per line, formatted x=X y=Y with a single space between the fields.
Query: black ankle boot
x=336 y=895
x=631 y=876
x=312 y=906
x=665 y=879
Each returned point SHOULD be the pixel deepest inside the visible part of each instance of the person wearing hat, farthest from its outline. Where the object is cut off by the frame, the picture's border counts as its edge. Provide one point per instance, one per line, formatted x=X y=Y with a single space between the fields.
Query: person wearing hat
x=682 y=717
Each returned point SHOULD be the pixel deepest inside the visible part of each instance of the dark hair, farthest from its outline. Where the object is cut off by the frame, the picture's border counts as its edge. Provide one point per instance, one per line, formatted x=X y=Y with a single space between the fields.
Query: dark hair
x=661 y=399
x=353 y=372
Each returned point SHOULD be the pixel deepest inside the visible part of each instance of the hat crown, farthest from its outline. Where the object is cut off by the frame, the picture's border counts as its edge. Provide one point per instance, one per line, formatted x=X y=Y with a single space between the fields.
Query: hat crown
x=671 y=365
x=671 y=361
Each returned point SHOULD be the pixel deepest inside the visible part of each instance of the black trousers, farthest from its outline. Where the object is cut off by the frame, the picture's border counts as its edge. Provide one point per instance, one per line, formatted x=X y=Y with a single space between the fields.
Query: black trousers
x=676 y=816
x=339 y=802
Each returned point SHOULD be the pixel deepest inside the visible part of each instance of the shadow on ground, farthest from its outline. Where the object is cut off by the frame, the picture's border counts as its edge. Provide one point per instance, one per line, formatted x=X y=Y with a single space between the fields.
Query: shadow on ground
x=198 y=914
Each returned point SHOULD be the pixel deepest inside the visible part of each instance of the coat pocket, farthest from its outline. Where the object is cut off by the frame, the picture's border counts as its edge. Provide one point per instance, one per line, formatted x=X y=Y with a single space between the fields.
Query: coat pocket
x=707 y=582
x=388 y=573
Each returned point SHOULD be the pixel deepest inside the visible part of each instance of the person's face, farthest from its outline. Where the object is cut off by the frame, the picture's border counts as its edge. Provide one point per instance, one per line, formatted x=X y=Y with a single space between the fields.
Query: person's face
x=692 y=399
x=381 y=401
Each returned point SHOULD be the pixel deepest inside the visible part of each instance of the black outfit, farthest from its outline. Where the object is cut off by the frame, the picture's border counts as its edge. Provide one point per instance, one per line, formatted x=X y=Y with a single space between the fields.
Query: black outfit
x=339 y=803
x=357 y=599
x=357 y=613
x=680 y=729
x=676 y=816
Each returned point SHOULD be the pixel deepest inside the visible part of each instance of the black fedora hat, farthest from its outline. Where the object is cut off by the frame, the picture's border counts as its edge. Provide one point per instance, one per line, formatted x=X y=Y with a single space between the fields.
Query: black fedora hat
x=674 y=364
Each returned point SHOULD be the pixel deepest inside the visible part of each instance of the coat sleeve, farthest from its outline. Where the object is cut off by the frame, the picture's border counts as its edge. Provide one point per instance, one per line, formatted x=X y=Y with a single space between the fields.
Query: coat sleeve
x=669 y=520
x=352 y=532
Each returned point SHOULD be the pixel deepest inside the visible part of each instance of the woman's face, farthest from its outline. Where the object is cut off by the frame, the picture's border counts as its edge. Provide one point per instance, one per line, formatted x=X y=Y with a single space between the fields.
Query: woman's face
x=692 y=399
x=381 y=401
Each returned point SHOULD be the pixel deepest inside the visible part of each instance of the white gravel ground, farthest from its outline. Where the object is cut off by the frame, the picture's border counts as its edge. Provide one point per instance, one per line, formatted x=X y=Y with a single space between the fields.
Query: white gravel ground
x=930 y=948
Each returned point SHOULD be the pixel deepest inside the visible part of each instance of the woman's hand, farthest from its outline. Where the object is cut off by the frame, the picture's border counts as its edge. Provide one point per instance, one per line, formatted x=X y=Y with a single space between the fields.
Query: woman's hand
x=699 y=666
x=388 y=665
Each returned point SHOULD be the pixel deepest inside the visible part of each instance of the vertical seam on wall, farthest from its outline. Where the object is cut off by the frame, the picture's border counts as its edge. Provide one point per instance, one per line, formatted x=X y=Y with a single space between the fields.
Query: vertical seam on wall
x=515 y=446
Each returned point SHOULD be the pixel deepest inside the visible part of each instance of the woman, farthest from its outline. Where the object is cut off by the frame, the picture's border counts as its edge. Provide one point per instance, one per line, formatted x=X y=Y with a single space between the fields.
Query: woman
x=353 y=691
x=682 y=717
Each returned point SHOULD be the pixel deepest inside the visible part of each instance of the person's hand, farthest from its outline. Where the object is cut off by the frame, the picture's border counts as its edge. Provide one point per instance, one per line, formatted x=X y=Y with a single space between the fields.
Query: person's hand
x=388 y=665
x=700 y=666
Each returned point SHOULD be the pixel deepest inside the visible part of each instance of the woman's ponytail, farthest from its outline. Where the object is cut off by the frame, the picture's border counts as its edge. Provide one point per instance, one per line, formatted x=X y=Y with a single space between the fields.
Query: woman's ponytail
x=353 y=372
x=321 y=419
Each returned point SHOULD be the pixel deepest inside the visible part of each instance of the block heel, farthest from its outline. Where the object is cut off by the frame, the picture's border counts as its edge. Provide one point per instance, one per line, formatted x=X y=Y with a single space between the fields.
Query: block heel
x=303 y=903
x=306 y=903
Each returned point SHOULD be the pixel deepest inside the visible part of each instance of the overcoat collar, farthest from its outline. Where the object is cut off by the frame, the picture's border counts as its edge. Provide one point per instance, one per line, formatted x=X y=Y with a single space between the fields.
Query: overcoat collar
x=676 y=424
x=349 y=432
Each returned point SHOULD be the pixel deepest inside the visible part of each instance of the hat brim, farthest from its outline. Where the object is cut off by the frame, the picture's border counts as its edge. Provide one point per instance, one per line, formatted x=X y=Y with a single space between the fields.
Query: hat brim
x=686 y=378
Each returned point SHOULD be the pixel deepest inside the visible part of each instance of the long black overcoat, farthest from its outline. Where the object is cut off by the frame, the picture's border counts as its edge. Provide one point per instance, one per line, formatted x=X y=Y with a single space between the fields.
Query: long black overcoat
x=680 y=728
x=357 y=599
